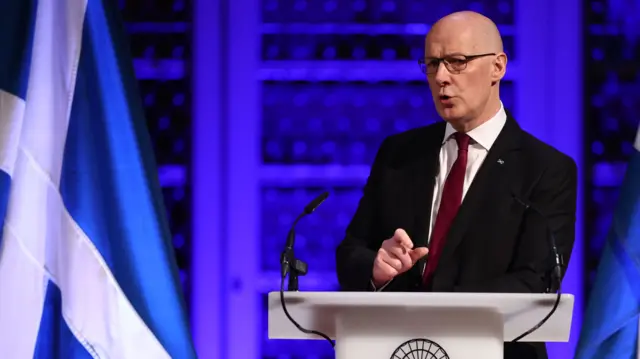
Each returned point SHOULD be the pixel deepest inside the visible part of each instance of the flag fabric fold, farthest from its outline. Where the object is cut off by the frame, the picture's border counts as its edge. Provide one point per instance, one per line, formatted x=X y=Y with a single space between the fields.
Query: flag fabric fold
x=86 y=264
x=610 y=326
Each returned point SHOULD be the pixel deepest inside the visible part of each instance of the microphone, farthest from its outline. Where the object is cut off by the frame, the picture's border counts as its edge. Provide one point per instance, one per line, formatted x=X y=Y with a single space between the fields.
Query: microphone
x=308 y=209
x=556 y=273
x=289 y=264
x=294 y=267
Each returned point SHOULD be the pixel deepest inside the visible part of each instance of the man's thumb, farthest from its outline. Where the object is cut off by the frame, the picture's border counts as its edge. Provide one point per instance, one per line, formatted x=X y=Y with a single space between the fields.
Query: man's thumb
x=418 y=253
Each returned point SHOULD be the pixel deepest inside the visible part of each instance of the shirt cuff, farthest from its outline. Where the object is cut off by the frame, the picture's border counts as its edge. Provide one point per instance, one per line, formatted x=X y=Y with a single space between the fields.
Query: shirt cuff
x=381 y=288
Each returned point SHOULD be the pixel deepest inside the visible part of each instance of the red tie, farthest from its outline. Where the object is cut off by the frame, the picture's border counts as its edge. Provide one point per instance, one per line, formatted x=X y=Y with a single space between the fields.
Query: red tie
x=449 y=204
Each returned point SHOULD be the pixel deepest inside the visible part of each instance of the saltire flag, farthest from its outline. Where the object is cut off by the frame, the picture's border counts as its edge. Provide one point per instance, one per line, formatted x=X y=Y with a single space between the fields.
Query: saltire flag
x=610 y=326
x=86 y=263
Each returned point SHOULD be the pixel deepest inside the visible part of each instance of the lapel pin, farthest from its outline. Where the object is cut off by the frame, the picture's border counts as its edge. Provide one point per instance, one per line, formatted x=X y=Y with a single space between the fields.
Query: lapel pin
x=500 y=161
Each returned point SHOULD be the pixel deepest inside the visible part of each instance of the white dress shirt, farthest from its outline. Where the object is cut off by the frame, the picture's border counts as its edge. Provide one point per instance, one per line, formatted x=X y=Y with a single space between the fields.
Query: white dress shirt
x=482 y=138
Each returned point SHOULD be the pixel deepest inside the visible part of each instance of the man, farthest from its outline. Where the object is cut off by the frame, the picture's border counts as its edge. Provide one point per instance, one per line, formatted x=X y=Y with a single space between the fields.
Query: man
x=439 y=210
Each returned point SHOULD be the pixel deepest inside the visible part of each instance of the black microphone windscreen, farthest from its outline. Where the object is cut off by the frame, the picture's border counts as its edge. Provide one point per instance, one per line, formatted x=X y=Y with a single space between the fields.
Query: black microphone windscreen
x=316 y=203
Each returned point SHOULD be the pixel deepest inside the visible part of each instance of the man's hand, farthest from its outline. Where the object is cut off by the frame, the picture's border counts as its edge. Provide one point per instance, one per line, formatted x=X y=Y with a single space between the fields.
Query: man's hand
x=395 y=256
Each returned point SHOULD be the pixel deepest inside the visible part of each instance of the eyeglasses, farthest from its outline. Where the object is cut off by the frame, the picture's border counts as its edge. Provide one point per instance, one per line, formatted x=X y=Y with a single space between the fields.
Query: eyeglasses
x=454 y=63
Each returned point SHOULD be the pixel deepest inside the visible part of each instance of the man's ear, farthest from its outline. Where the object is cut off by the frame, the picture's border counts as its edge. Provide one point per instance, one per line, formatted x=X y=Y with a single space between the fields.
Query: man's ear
x=499 y=67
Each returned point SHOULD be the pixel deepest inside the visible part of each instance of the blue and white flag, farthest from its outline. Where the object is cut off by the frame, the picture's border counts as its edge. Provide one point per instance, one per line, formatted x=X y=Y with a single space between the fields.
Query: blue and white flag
x=86 y=263
x=610 y=326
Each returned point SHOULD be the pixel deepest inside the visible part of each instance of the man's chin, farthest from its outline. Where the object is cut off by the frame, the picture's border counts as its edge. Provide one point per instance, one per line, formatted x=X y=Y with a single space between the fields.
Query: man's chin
x=450 y=114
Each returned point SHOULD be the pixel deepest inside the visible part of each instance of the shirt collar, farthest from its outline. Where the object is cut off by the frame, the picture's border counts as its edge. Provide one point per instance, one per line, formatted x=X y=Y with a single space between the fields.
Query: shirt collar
x=487 y=133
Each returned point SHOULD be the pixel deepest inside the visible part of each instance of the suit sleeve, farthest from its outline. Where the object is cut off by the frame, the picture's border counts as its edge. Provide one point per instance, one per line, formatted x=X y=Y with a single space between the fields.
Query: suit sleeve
x=555 y=196
x=357 y=251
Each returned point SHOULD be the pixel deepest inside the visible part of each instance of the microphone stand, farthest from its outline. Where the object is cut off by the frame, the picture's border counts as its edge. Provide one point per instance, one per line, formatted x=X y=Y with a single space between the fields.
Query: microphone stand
x=289 y=264
x=555 y=277
x=557 y=262
x=292 y=265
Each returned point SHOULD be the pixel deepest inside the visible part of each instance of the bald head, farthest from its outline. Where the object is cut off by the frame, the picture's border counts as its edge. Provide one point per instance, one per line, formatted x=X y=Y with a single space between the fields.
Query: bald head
x=470 y=29
x=466 y=89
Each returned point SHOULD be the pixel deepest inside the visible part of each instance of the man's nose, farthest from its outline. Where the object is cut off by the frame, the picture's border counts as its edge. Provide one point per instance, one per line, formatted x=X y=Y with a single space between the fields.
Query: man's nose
x=442 y=75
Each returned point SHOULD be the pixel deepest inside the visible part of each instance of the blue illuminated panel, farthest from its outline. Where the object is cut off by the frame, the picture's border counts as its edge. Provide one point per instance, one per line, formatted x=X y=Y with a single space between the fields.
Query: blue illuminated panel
x=177 y=207
x=612 y=79
x=152 y=46
x=160 y=46
x=317 y=234
x=347 y=43
x=166 y=108
x=156 y=11
x=342 y=122
x=376 y=11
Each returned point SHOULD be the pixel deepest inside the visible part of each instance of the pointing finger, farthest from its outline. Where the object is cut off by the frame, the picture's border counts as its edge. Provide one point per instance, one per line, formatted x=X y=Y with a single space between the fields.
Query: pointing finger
x=401 y=237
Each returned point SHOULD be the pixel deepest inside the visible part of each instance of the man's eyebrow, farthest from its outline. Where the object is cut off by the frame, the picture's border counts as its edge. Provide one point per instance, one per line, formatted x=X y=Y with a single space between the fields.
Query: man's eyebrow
x=446 y=55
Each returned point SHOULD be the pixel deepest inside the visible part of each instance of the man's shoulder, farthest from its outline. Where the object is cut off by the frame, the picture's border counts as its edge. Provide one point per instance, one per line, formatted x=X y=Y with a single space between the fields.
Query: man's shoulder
x=543 y=152
x=415 y=137
x=409 y=146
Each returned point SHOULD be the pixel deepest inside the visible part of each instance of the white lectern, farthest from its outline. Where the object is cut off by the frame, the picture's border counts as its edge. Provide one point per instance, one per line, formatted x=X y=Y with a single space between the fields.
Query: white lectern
x=393 y=325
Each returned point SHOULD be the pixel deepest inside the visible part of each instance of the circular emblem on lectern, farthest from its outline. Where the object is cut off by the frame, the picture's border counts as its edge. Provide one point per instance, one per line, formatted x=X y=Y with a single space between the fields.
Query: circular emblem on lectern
x=419 y=349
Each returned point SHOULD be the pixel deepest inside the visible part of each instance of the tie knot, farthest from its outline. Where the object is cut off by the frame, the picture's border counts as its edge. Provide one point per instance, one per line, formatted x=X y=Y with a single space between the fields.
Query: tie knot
x=463 y=141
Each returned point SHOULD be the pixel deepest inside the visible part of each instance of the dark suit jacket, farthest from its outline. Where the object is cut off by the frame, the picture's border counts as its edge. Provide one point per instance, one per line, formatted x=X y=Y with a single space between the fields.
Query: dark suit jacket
x=495 y=243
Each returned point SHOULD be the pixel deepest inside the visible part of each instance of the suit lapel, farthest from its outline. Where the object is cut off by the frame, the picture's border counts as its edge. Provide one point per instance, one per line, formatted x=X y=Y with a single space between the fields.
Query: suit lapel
x=488 y=176
x=424 y=174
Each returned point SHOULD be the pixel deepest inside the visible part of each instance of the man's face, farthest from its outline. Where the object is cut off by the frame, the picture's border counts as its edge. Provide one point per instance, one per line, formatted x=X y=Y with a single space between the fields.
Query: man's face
x=461 y=88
